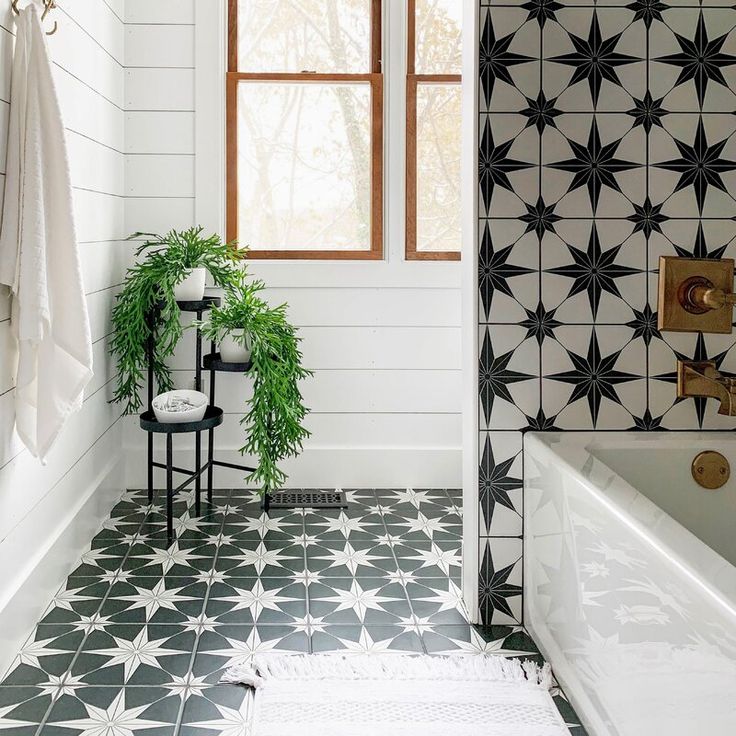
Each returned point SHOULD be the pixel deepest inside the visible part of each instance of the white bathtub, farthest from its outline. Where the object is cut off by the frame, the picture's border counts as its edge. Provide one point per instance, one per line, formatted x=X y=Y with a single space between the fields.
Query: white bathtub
x=630 y=583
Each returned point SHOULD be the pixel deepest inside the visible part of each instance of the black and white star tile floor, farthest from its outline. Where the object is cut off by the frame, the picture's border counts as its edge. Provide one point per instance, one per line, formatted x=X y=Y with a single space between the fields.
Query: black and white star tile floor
x=136 y=640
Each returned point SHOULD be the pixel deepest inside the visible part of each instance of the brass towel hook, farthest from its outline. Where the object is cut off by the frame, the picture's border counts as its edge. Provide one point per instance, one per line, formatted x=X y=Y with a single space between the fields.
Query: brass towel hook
x=48 y=6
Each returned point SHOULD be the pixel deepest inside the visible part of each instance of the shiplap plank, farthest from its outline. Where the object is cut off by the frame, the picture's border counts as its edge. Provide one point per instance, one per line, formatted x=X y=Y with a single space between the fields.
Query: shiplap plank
x=160 y=11
x=88 y=113
x=104 y=264
x=348 y=431
x=327 y=467
x=104 y=368
x=99 y=307
x=98 y=216
x=159 y=46
x=381 y=347
x=159 y=176
x=4 y=303
x=354 y=391
x=159 y=132
x=358 y=274
x=159 y=89
x=367 y=348
x=99 y=21
x=6 y=59
x=8 y=357
x=4 y=120
x=368 y=307
x=78 y=53
x=119 y=8
x=152 y=215
x=94 y=166
x=23 y=480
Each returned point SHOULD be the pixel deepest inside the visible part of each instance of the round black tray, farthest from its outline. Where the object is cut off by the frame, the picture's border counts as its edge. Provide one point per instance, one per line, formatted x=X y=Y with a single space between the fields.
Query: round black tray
x=201 y=306
x=212 y=418
x=213 y=362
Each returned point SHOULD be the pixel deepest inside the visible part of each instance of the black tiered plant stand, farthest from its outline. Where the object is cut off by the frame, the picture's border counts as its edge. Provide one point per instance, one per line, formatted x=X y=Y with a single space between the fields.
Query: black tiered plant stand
x=213 y=418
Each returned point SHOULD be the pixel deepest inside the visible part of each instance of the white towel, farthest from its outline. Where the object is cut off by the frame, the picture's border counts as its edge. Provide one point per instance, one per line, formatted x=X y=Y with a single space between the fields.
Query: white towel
x=39 y=256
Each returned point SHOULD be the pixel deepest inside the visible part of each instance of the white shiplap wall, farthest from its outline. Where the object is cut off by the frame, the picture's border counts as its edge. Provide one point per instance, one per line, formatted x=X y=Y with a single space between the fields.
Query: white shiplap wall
x=382 y=338
x=49 y=513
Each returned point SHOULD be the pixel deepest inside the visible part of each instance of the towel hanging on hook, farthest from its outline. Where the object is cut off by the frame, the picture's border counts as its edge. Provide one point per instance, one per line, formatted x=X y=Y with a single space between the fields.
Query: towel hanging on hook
x=48 y=6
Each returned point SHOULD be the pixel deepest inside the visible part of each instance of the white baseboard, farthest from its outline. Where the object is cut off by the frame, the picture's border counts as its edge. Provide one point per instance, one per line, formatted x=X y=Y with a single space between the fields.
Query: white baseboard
x=41 y=551
x=329 y=468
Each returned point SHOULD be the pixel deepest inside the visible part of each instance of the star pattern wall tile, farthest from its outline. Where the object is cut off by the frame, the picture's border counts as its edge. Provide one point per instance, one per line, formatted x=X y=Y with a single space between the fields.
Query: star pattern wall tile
x=509 y=375
x=500 y=582
x=607 y=139
x=500 y=485
x=139 y=636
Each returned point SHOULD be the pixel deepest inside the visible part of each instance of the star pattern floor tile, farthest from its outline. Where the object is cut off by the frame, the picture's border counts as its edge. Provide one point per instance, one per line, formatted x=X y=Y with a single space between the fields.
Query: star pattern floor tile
x=138 y=637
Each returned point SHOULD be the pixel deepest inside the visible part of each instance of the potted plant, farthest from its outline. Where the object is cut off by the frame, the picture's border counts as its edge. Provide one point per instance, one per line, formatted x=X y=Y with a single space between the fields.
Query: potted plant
x=146 y=316
x=228 y=327
x=146 y=308
x=276 y=411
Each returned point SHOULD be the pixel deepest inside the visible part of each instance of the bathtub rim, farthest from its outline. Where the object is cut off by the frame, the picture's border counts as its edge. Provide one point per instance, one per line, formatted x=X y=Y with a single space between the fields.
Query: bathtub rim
x=570 y=451
x=703 y=566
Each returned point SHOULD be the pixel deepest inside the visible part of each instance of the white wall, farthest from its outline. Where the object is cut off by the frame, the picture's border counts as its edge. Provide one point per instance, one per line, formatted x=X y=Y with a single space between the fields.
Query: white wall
x=49 y=513
x=383 y=338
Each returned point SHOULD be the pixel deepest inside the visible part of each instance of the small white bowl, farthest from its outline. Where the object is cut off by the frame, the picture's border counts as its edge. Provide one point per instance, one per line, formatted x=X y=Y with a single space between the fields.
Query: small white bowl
x=163 y=409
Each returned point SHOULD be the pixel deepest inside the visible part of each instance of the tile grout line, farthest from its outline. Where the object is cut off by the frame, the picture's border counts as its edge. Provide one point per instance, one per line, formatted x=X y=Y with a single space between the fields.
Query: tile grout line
x=307 y=585
x=203 y=612
x=403 y=585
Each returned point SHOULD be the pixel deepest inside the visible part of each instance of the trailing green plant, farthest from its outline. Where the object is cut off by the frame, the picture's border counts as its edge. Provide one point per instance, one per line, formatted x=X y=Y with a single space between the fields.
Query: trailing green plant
x=274 y=420
x=146 y=310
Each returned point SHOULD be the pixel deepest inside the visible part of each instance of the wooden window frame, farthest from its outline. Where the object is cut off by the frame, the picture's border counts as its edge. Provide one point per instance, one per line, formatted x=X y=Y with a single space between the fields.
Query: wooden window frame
x=413 y=80
x=374 y=79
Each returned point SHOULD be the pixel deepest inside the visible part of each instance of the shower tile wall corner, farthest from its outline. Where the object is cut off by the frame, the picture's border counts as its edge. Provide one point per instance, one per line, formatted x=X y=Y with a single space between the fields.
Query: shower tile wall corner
x=606 y=140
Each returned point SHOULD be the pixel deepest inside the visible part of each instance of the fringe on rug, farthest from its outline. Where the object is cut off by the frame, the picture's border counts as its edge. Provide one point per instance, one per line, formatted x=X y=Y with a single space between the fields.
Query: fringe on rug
x=388 y=667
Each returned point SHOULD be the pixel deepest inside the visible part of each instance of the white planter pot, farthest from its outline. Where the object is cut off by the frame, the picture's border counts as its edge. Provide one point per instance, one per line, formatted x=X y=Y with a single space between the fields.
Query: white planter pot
x=232 y=351
x=192 y=288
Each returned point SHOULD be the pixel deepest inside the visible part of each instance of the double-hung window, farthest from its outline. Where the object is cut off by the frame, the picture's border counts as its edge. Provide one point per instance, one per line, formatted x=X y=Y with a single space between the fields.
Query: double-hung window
x=306 y=130
x=433 y=129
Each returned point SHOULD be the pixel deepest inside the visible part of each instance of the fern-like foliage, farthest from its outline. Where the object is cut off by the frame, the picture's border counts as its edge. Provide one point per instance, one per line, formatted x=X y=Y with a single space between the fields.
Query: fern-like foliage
x=276 y=412
x=146 y=309
x=146 y=313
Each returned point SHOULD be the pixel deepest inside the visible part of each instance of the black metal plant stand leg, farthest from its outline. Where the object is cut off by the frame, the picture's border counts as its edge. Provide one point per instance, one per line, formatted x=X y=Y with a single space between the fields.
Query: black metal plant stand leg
x=198 y=435
x=214 y=364
x=170 y=488
x=212 y=418
x=149 y=354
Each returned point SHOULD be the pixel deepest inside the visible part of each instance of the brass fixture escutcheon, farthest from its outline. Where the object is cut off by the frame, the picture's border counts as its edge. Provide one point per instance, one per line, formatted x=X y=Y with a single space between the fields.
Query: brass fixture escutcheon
x=711 y=470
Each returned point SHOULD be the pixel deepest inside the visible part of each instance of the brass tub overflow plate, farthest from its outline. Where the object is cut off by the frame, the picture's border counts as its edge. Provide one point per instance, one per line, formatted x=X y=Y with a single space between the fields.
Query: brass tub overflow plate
x=711 y=470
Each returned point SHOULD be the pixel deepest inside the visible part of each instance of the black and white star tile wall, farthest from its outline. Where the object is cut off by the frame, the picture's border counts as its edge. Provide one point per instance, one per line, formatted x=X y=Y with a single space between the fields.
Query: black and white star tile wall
x=607 y=139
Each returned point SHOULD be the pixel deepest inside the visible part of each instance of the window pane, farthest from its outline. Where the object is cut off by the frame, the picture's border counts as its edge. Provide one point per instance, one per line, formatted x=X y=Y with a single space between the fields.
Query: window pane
x=439 y=36
x=328 y=36
x=304 y=166
x=438 y=167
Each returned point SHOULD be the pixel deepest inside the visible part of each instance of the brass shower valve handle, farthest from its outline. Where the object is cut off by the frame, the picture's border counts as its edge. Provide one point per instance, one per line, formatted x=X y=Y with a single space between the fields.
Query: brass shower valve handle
x=696 y=295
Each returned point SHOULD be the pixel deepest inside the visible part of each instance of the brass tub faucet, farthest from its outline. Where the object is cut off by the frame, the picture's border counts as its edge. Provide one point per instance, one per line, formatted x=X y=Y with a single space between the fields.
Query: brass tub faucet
x=704 y=379
x=697 y=295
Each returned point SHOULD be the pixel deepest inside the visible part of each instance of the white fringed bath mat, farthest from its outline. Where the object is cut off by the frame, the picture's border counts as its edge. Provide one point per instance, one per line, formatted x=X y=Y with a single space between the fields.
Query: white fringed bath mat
x=393 y=695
